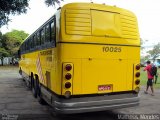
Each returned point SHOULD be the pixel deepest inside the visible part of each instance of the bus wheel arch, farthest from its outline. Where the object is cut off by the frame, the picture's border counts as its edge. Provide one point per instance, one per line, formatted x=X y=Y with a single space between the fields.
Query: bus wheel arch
x=39 y=94
x=33 y=85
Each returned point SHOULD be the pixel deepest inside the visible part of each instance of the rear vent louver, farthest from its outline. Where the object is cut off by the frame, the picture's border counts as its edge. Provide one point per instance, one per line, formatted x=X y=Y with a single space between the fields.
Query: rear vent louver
x=129 y=27
x=78 y=22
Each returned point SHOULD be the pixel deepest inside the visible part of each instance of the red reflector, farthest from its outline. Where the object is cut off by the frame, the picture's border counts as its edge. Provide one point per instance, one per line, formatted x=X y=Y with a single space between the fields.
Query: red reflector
x=68 y=76
x=137 y=82
x=138 y=74
x=68 y=67
x=67 y=85
x=137 y=67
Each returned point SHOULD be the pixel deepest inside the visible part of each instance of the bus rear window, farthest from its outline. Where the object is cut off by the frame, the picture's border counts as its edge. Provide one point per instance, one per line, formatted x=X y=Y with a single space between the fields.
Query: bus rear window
x=105 y=24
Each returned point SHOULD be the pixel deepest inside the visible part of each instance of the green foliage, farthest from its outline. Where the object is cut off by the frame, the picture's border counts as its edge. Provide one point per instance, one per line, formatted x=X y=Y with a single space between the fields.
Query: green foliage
x=0 y=39
x=52 y=2
x=155 y=52
x=12 y=40
x=3 y=53
x=8 y=7
x=13 y=7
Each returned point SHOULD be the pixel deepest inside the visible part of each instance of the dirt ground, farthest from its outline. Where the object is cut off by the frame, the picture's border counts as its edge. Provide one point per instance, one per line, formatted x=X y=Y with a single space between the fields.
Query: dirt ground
x=17 y=101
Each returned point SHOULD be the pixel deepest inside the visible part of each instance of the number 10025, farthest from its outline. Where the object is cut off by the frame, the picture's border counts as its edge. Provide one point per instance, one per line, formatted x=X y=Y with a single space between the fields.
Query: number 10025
x=111 y=49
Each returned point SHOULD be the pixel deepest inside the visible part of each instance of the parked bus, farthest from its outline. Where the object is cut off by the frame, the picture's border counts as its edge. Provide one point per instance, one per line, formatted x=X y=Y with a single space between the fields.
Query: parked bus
x=85 y=58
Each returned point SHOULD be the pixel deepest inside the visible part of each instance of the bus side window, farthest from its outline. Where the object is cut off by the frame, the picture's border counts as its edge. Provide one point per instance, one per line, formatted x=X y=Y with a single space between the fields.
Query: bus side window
x=23 y=48
x=38 y=39
x=47 y=33
x=28 y=44
x=42 y=36
x=33 y=41
x=52 y=32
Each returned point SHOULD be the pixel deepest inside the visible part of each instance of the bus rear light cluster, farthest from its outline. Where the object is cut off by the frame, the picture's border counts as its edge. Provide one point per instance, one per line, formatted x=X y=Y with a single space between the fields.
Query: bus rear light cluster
x=68 y=67
x=67 y=85
x=138 y=67
x=68 y=76
x=67 y=79
x=137 y=82
x=137 y=74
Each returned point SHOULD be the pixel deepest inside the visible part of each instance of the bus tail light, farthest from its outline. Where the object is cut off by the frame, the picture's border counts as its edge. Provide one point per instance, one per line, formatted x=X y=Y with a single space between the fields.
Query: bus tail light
x=138 y=67
x=137 y=82
x=67 y=94
x=68 y=76
x=138 y=74
x=68 y=67
x=67 y=85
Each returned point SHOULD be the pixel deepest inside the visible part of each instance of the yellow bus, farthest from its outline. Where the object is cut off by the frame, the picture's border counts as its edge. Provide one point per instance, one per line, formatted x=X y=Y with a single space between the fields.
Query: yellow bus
x=84 y=58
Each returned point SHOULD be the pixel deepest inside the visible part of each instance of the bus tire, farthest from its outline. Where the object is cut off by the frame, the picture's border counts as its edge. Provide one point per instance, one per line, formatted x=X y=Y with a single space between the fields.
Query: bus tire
x=34 y=88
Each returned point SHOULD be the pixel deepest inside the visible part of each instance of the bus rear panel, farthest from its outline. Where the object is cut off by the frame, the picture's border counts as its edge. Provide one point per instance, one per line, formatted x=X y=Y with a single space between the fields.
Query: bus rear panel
x=102 y=44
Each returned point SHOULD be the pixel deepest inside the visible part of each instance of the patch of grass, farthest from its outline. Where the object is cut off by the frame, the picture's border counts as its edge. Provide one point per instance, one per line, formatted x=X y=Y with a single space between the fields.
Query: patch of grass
x=144 y=78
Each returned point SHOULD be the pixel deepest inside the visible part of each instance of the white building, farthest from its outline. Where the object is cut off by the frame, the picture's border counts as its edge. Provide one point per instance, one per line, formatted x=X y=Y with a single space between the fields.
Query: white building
x=6 y=61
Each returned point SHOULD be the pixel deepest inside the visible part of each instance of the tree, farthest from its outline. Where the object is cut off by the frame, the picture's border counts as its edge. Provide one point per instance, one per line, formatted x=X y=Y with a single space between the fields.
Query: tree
x=0 y=39
x=8 y=7
x=155 y=52
x=10 y=43
x=13 y=7
x=12 y=40
x=3 y=53
x=52 y=2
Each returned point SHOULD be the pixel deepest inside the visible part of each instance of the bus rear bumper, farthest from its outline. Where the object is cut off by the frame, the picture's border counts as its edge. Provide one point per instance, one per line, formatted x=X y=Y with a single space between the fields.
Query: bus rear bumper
x=80 y=105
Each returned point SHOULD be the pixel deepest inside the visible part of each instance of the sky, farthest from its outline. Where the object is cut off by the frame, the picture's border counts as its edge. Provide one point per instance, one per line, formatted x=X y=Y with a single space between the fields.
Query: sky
x=147 y=12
